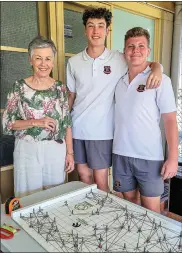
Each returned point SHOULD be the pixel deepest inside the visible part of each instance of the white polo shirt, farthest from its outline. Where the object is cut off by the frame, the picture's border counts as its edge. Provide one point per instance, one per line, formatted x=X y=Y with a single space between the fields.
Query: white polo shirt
x=94 y=82
x=137 y=116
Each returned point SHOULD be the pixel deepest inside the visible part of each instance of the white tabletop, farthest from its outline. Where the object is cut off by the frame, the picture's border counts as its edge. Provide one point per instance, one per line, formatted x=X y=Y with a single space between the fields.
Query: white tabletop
x=22 y=242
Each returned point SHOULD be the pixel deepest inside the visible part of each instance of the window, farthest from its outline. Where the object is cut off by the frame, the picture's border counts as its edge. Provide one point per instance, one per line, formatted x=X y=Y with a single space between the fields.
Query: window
x=120 y=27
x=17 y=30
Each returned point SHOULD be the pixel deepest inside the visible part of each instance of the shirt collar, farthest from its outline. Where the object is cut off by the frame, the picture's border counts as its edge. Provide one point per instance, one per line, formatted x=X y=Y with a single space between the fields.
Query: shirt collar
x=86 y=57
x=144 y=72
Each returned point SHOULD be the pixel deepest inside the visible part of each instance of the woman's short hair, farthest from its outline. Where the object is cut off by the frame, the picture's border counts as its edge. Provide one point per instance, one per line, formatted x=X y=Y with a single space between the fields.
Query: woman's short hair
x=41 y=42
x=137 y=32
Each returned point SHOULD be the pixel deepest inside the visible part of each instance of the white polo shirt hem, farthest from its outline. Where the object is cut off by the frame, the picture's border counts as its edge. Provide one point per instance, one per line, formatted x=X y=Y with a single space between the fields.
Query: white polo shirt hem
x=81 y=137
x=159 y=158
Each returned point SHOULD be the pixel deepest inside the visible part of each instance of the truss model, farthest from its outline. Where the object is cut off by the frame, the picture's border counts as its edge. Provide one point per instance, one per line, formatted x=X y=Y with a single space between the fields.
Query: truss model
x=89 y=220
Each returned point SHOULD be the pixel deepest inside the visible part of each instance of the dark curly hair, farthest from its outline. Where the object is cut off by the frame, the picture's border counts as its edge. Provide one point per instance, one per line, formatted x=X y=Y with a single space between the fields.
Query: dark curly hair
x=137 y=32
x=97 y=13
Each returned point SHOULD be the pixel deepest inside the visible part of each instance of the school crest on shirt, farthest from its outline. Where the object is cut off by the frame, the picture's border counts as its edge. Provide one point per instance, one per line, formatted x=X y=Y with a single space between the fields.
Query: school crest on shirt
x=141 y=88
x=117 y=184
x=107 y=70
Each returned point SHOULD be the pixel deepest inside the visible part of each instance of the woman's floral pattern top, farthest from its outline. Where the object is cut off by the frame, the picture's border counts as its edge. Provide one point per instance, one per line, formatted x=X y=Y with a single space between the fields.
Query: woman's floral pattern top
x=25 y=103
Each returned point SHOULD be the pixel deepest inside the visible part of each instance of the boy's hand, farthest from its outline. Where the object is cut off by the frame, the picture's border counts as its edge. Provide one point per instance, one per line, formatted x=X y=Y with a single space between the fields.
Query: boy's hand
x=169 y=168
x=154 y=79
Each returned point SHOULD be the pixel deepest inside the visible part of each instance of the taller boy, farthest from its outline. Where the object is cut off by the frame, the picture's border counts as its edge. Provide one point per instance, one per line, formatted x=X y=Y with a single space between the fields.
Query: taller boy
x=91 y=79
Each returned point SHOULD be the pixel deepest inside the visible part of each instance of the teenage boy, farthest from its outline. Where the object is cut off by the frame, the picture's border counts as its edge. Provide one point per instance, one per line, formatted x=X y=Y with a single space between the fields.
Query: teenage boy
x=137 y=146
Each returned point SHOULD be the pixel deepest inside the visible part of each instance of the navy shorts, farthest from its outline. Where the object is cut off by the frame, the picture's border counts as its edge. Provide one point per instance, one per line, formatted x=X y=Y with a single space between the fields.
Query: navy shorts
x=97 y=154
x=130 y=173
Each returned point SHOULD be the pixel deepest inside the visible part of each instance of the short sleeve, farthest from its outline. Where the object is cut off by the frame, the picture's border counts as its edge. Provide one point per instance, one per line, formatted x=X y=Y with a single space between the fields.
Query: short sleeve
x=165 y=96
x=71 y=82
x=11 y=112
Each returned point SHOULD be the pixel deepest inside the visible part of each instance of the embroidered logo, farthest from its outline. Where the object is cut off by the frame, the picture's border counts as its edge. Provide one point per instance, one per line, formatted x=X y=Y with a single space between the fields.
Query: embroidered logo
x=107 y=70
x=117 y=184
x=141 y=88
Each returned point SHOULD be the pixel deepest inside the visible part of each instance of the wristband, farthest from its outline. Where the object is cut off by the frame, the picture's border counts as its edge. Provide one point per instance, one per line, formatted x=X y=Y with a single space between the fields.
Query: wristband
x=70 y=153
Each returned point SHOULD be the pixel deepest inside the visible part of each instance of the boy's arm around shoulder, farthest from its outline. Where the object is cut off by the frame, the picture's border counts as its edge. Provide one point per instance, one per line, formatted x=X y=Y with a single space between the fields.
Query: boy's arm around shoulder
x=155 y=77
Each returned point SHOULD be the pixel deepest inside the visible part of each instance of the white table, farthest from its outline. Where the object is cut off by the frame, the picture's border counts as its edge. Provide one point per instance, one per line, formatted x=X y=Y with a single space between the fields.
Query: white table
x=22 y=242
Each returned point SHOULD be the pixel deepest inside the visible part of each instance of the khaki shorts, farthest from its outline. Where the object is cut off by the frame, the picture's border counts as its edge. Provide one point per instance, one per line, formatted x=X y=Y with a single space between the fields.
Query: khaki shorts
x=96 y=154
x=131 y=173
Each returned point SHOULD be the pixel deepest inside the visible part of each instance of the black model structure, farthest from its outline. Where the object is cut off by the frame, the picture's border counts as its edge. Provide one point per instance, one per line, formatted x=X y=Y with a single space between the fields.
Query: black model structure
x=100 y=223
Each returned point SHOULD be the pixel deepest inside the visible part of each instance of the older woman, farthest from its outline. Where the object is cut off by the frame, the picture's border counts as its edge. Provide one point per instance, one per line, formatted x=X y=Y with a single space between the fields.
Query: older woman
x=37 y=113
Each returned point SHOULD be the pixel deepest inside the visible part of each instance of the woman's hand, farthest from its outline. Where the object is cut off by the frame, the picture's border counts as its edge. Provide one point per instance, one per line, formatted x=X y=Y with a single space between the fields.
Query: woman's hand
x=45 y=122
x=70 y=165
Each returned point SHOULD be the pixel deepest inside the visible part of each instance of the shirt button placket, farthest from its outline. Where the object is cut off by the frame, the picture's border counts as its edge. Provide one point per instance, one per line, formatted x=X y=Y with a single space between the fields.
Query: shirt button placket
x=94 y=68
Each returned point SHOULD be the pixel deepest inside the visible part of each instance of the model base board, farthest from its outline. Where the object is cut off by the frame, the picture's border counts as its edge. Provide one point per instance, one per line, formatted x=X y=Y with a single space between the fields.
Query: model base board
x=90 y=220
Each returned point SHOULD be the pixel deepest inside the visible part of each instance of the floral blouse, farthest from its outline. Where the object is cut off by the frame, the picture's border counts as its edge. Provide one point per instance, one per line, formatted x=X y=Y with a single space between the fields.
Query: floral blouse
x=25 y=103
